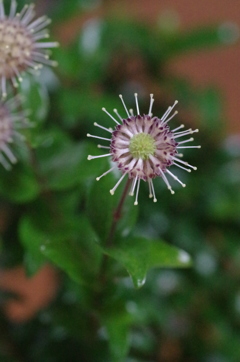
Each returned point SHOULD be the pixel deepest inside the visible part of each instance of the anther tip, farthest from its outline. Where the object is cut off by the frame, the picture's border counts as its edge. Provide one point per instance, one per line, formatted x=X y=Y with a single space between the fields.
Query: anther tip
x=97 y=178
x=120 y=95
x=195 y=168
x=135 y=94
x=95 y=123
x=131 y=194
x=150 y=196
x=88 y=135
x=151 y=95
x=155 y=200
x=103 y=109
x=183 y=185
x=89 y=157
x=135 y=203
x=111 y=192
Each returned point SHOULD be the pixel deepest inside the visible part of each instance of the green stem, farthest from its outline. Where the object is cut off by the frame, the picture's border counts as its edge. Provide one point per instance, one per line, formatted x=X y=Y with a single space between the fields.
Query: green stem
x=116 y=217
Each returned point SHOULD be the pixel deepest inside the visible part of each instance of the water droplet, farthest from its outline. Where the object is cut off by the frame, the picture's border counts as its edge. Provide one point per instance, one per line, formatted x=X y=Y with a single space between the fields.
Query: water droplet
x=183 y=257
x=43 y=247
x=141 y=282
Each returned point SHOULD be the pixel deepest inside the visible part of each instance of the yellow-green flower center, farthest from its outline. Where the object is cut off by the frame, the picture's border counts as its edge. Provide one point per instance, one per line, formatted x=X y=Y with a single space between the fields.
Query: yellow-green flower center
x=142 y=145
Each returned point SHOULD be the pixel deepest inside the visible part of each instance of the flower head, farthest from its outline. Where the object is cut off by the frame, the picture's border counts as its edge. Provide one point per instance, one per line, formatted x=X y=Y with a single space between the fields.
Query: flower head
x=21 y=47
x=10 y=122
x=143 y=147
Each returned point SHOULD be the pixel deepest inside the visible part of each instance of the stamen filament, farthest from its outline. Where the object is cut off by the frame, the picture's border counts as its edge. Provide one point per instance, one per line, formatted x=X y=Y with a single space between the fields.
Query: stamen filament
x=184 y=168
x=176 y=129
x=117 y=184
x=124 y=105
x=166 y=181
x=115 y=111
x=185 y=163
x=171 y=117
x=175 y=178
x=151 y=104
x=100 y=138
x=136 y=199
x=104 y=110
x=99 y=156
x=105 y=173
x=189 y=140
x=137 y=106
x=131 y=193
x=104 y=128
x=100 y=146
x=189 y=147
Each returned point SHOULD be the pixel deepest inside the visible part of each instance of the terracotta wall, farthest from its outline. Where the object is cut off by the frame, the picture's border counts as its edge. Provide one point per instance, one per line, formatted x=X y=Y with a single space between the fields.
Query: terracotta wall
x=219 y=66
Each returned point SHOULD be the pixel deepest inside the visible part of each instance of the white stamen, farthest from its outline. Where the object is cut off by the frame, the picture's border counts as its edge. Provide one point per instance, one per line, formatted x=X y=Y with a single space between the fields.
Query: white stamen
x=100 y=156
x=124 y=105
x=189 y=140
x=8 y=153
x=100 y=138
x=41 y=26
x=166 y=181
x=115 y=111
x=183 y=168
x=151 y=104
x=131 y=193
x=117 y=184
x=136 y=199
x=169 y=119
x=52 y=44
x=185 y=133
x=28 y=15
x=13 y=9
x=184 y=163
x=4 y=162
x=152 y=191
x=104 y=110
x=176 y=178
x=20 y=15
x=176 y=129
x=131 y=112
x=104 y=128
x=4 y=89
x=38 y=21
x=105 y=173
x=189 y=147
x=168 y=111
x=150 y=188
x=106 y=147
x=137 y=106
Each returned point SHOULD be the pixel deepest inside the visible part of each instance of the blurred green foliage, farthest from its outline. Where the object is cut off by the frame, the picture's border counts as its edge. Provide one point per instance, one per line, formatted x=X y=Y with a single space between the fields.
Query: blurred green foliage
x=57 y=213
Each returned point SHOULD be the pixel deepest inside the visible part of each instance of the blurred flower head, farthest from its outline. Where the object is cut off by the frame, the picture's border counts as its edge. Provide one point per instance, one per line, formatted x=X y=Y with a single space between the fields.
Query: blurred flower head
x=144 y=147
x=21 y=47
x=11 y=121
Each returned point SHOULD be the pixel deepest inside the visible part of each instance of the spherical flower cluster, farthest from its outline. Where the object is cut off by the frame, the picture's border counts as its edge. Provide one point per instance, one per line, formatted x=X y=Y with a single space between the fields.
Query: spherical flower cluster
x=143 y=147
x=11 y=122
x=21 y=47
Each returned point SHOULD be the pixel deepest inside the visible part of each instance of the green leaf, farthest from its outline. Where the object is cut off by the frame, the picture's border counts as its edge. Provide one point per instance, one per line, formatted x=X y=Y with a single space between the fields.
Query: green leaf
x=196 y=39
x=19 y=184
x=117 y=322
x=138 y=255
x=101 y=204
x=63 y=246
x=63 y=163
x=35 y=99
